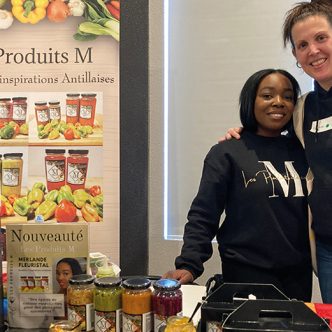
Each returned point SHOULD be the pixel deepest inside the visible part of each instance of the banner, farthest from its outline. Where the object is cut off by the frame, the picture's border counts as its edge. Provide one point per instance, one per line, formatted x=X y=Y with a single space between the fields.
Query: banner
x=59 y=115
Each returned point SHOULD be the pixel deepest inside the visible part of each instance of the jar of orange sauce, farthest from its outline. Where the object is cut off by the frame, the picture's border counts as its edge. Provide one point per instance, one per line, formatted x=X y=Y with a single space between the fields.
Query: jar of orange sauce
x=55 y=168
x=87 y=109
x=137 y=305
x=72 y=107
x=77 y=168
x=42 y=113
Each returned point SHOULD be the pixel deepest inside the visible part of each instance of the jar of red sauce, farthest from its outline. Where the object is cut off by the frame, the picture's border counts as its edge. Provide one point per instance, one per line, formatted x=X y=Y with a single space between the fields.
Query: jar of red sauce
x=5 y=110
x=20 y=107
x=166 y=301
x=42 y=113
x=72 y=107
x=54 y=110
x=55 y=168
x=87 y=109
x=77 y=168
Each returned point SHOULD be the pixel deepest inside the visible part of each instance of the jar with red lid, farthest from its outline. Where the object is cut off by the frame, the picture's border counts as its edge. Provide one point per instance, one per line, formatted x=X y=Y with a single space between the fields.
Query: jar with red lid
x=87 y=109
x=5 y=110
x=54 y=110
x=77 y=168
x=55 y=168
x=20 y=107
x=42 y=113
x=72 y=107
x=166 y=301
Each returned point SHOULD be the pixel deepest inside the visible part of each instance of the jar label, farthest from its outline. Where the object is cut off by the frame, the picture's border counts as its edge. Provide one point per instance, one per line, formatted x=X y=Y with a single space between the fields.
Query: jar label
x=141 y=323
x=55 y=170
x=11 y=177
x=55 y=113
x=107 y=321
x=42 y=116
x=83 y=314
x=4 y=112
x=71 y=110
x=76 y=173
x=159 y=321
x=86 y=112
x=19 y=112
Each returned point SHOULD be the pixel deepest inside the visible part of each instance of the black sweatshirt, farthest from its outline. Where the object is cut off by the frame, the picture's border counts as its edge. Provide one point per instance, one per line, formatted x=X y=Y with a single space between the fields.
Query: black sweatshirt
x=318 y=148
x=260 y=184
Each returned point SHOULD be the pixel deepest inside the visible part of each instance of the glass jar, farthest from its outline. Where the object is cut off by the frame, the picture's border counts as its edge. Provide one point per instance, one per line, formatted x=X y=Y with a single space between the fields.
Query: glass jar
x=87 y=109
x=179 y=324
x=20 y=107
x=55 y=168
x=77 y=169
x=72 y=107
x=108 y=299
x=80 y=293
x=42 y=113
x=64 y=326
x=136 y=305
x=12 y=167
x=166 y=301
x=5 y=110
x=54 y=110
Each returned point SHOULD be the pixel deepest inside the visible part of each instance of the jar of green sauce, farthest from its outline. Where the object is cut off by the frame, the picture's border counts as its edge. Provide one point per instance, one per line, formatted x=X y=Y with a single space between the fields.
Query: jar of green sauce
x=107 y=300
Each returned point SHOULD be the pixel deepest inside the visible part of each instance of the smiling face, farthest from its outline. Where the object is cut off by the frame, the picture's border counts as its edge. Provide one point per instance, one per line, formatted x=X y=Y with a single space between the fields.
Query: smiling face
x=312 y=38
x=274 y=105
x=63 y=274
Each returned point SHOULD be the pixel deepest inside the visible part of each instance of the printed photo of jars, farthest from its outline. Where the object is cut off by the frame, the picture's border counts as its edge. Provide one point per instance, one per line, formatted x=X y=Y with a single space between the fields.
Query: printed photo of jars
x=13 y=184
x=66 y=118
x=13 y=120
x=65 y=184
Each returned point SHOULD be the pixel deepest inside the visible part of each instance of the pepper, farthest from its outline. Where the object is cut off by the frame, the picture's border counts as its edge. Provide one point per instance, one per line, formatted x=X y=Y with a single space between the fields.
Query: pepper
x=9 y=209
x=7 y=132
x=89 y=213
x=22 y=207
x=24 y=129
x=35 y=197
x=81 y=197
x=66 y=188
x=39 y=185
x=29 y=11
x=95 y=190
x=52 y=195
x=46 y=209
x=98 y=202
x=65 y=195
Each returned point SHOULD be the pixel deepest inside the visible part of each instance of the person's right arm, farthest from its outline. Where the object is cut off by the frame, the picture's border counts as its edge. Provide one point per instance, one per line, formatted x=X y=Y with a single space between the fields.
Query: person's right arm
x=204 y=214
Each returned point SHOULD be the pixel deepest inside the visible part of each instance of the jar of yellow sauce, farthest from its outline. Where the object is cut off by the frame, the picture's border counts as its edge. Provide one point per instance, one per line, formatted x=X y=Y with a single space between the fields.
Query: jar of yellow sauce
x=137 y=305
x=179 y=324
x=12 y=166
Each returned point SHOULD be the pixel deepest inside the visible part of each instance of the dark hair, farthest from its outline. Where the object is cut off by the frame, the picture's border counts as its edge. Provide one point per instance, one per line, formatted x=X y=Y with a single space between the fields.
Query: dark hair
x=248 y=96
x=303 y=10
x=73 y=263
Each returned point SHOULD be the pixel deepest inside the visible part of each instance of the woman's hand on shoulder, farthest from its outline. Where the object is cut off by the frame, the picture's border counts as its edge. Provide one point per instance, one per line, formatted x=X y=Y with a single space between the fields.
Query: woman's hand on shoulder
x=184 y=276
x=231 y=133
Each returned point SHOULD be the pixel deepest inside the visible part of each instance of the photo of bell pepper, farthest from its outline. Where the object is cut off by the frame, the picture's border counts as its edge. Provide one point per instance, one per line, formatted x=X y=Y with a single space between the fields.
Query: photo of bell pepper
x=2 y=209
x=89 y=213
x=98 y=204
x=95 y=190
x=81 y=197
x=29 y=11
x=65 y=211
x=35 y=197
x=64 y=195
x=46 y=210
x=39 y=185
x=22 y=207
x=9 y=209
x=52 y=195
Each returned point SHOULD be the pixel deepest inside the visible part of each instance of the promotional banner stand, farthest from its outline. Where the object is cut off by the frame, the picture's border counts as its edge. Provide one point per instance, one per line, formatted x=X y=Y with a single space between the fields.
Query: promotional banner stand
x=3 y=327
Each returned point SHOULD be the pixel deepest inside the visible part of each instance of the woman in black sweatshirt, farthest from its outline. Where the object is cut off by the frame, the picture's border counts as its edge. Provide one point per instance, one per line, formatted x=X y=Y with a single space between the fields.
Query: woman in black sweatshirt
x=260 y=182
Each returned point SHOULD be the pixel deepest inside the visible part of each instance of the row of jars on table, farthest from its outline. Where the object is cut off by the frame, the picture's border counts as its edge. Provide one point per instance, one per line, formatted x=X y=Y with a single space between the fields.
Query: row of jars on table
x=110 y=304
